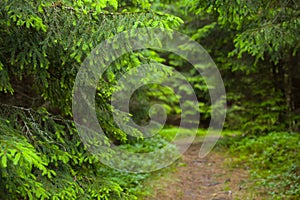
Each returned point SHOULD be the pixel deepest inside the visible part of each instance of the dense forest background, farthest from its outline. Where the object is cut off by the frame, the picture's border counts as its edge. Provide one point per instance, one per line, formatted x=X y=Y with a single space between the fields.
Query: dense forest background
x=255 y=45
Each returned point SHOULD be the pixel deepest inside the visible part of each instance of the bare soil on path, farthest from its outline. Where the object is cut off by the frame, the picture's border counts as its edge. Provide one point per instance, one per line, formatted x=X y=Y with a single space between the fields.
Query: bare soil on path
x=209 y=178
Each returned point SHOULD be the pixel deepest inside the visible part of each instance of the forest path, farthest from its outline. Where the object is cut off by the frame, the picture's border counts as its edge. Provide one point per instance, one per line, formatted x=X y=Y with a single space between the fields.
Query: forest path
x=195 y=178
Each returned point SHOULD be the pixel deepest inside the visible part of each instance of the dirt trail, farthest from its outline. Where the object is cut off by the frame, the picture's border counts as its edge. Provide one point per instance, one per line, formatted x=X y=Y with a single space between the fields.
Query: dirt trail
x=209 y=178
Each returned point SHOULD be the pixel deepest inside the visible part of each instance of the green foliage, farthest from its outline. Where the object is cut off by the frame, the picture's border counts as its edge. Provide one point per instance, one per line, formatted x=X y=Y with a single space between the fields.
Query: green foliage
x=48 y=161
x=40 y=160
x=58 y=36
x=171 y=132
x=246 y=113
x=42 y=45
x=18 y=158
x=274 y=162
x=255 y=45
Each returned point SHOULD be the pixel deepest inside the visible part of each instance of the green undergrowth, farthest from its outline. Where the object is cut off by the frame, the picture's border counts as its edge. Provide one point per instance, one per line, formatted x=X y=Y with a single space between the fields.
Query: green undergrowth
x=169 y=133
x=134 y=183
x=273 y=160
x=158 y=180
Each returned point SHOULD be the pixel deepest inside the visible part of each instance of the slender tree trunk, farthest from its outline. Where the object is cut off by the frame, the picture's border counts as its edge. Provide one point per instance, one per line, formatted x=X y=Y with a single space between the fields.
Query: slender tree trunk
x=280 y=86
x=295 y=90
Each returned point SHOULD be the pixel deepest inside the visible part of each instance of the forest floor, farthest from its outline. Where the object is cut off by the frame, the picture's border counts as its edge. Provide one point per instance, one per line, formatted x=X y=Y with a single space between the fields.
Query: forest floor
x=209 y=178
